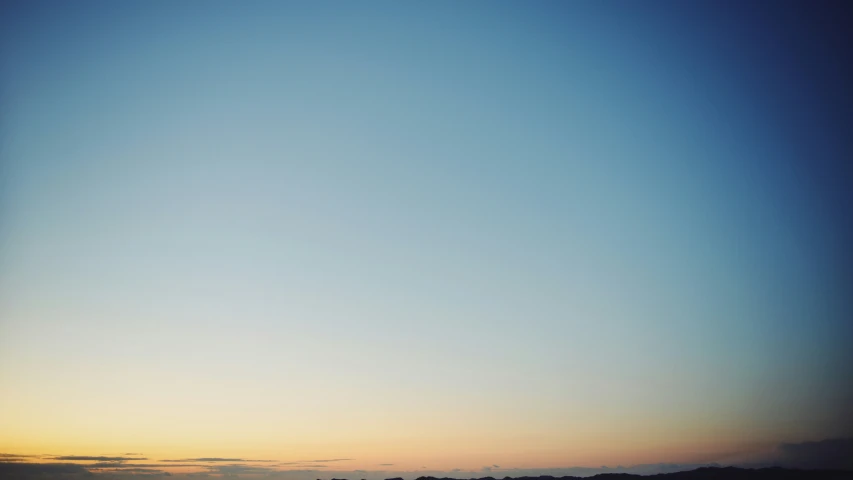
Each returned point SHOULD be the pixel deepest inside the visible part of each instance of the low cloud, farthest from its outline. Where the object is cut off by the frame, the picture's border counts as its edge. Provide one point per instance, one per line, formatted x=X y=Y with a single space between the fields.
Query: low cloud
x=99 y=459
x=7 y=456
x=119 y=465
x=213 y=459
x=306 y=474
x=386 y=464
x=312 y=463
x=239 y=469
x=145 y=470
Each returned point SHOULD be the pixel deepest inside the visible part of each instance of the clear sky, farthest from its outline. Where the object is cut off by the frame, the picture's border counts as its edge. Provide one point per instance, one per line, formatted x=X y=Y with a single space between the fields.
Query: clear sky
x=441 y=234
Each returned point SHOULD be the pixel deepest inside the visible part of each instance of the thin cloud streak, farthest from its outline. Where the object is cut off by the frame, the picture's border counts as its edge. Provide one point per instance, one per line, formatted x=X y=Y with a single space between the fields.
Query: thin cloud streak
x=95 y=458
x=239 y=469
x=214 y=459
x=132 y=465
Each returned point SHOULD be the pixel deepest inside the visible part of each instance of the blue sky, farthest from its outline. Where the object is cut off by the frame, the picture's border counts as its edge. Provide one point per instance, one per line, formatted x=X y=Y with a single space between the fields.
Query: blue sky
x=558 y=233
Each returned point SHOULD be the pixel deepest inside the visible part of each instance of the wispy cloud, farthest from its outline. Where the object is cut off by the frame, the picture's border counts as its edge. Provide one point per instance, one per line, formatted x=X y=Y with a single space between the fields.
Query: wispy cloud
x=144 y=470
x=213 y=459
x=313 y=463
x=99 y=458
x=123 y=465
x=11 y=457
x=239 y=469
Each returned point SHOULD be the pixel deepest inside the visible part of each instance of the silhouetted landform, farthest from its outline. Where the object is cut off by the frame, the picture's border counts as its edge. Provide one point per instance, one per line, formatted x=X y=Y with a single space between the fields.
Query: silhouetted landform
x=705 y=473
x=27 y=470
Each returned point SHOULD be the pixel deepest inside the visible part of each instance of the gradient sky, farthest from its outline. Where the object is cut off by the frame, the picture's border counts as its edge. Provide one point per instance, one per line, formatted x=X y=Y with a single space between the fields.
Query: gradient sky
x=442 y=234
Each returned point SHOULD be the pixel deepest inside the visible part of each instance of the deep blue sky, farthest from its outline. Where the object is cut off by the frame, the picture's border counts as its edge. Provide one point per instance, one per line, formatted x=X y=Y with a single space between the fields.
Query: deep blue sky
x=603 y=231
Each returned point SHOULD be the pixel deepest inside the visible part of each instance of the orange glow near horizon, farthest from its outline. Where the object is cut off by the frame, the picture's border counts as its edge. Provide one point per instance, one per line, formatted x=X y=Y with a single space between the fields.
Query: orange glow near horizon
x=468 y=455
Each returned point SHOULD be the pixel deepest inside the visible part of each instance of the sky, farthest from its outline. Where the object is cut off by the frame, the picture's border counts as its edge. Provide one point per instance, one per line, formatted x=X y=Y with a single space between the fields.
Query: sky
x=434 y=235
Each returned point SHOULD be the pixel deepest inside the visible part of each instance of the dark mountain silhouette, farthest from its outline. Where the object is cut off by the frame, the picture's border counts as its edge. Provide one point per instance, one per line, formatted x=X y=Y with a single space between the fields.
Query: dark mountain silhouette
x=42 y=470
x=705 y=473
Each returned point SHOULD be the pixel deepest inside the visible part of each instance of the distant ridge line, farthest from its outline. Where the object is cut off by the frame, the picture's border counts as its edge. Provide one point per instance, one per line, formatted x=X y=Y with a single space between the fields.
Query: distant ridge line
x=703 y=473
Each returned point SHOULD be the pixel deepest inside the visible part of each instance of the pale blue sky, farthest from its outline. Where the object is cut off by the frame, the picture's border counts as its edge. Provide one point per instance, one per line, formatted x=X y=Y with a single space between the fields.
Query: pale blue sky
x=538 y=215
